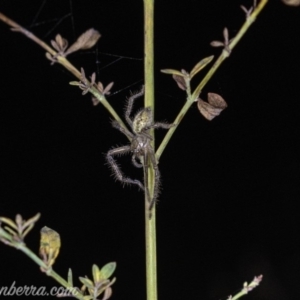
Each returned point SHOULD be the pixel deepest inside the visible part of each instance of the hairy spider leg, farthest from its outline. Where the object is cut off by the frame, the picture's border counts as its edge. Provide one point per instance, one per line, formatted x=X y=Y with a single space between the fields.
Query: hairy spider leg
x=156 y=179
x=125 y=131
x=160 y=125
x=146 y=183
x=134 y=161
x=116 y=170
x=130 y=105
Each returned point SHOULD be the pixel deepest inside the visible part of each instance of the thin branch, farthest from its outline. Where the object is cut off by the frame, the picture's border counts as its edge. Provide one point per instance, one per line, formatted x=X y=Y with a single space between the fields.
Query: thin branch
x=192 y=98
x=61 y=60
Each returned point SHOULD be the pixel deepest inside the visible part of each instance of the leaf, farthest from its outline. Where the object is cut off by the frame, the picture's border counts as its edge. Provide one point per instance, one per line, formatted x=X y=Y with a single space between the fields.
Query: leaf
x=24 y=233
x=180 y=82
x=216 y=104
x=70 y=277
x=54 y=45
x=85 y=41
x=96 y=274
x=291 y=2
x=107 y=293
x=32 y=220
x=108 y=88
x=19 y=220
x=226 y=36
x=171 y=71
x=87 y=282
x=100 y=87
x=9 y=222
x=9 y=230
x=62 y=43
x=200 y=65
x=74 y=83
x=217 y=44
x=108 y=270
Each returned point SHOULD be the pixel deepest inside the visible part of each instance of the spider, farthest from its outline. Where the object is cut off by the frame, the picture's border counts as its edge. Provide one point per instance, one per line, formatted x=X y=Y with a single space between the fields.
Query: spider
x=142 y=151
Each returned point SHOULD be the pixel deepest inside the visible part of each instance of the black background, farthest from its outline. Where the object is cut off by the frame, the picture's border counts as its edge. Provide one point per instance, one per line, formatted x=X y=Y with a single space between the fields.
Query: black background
x=229 y=205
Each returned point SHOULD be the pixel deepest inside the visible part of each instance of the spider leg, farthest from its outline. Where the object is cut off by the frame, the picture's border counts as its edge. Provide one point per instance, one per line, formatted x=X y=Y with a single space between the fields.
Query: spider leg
x=146 y=182
x=156 y=180
x=160 y=125
x=130 y=105
x=117 y=125
x=135 y=163
x=116 y=169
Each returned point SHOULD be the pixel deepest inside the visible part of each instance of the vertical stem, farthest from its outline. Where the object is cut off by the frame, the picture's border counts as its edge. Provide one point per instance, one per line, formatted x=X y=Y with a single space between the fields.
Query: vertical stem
x=151 y=279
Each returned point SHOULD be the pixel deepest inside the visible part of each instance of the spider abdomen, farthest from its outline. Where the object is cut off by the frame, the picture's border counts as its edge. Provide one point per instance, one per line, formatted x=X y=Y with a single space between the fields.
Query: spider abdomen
x=142 y=120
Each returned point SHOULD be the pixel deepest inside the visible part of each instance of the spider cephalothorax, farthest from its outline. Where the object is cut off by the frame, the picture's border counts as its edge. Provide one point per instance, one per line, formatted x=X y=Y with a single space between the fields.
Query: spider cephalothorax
x=142 y=151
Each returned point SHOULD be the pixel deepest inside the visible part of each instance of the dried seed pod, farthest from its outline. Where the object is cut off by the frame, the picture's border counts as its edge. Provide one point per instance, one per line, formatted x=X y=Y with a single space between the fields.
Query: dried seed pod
x=213 y=107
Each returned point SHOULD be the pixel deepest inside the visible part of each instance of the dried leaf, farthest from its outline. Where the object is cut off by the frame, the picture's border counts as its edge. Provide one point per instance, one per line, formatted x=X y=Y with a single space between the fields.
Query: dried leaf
x=107 y=293
x=200 y=65
x=291 y=2
x=217 y=44
x=93 y=78
x=49 y=56
x=108 y=88
x=85 y=41
x=171 y=71
x=19 y=220
x=54 y=45
x=244 y=8
x=95 y=101
x=59 y=44
x=180 y=82
x=216 y=104
x=62 y=43
x=100 y=87
x=226 y=35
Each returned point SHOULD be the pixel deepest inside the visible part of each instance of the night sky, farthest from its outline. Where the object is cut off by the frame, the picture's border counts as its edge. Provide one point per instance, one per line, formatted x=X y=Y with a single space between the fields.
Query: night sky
x=228 y=209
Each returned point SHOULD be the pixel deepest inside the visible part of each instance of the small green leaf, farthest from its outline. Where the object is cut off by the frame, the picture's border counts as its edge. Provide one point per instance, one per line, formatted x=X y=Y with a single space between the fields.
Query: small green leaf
x=70 y=277
x=108 y=270
x=88 y=297
x=200 y=65
x=171 y=71
x=96 y=274
x=88 y=283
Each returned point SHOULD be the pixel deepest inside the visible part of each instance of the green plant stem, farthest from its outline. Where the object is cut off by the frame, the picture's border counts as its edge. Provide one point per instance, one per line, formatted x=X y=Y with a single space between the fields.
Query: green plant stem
x=9 y=240
x=192 y=98
x=239 y=295
x=61 y=60
x=150 y=223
